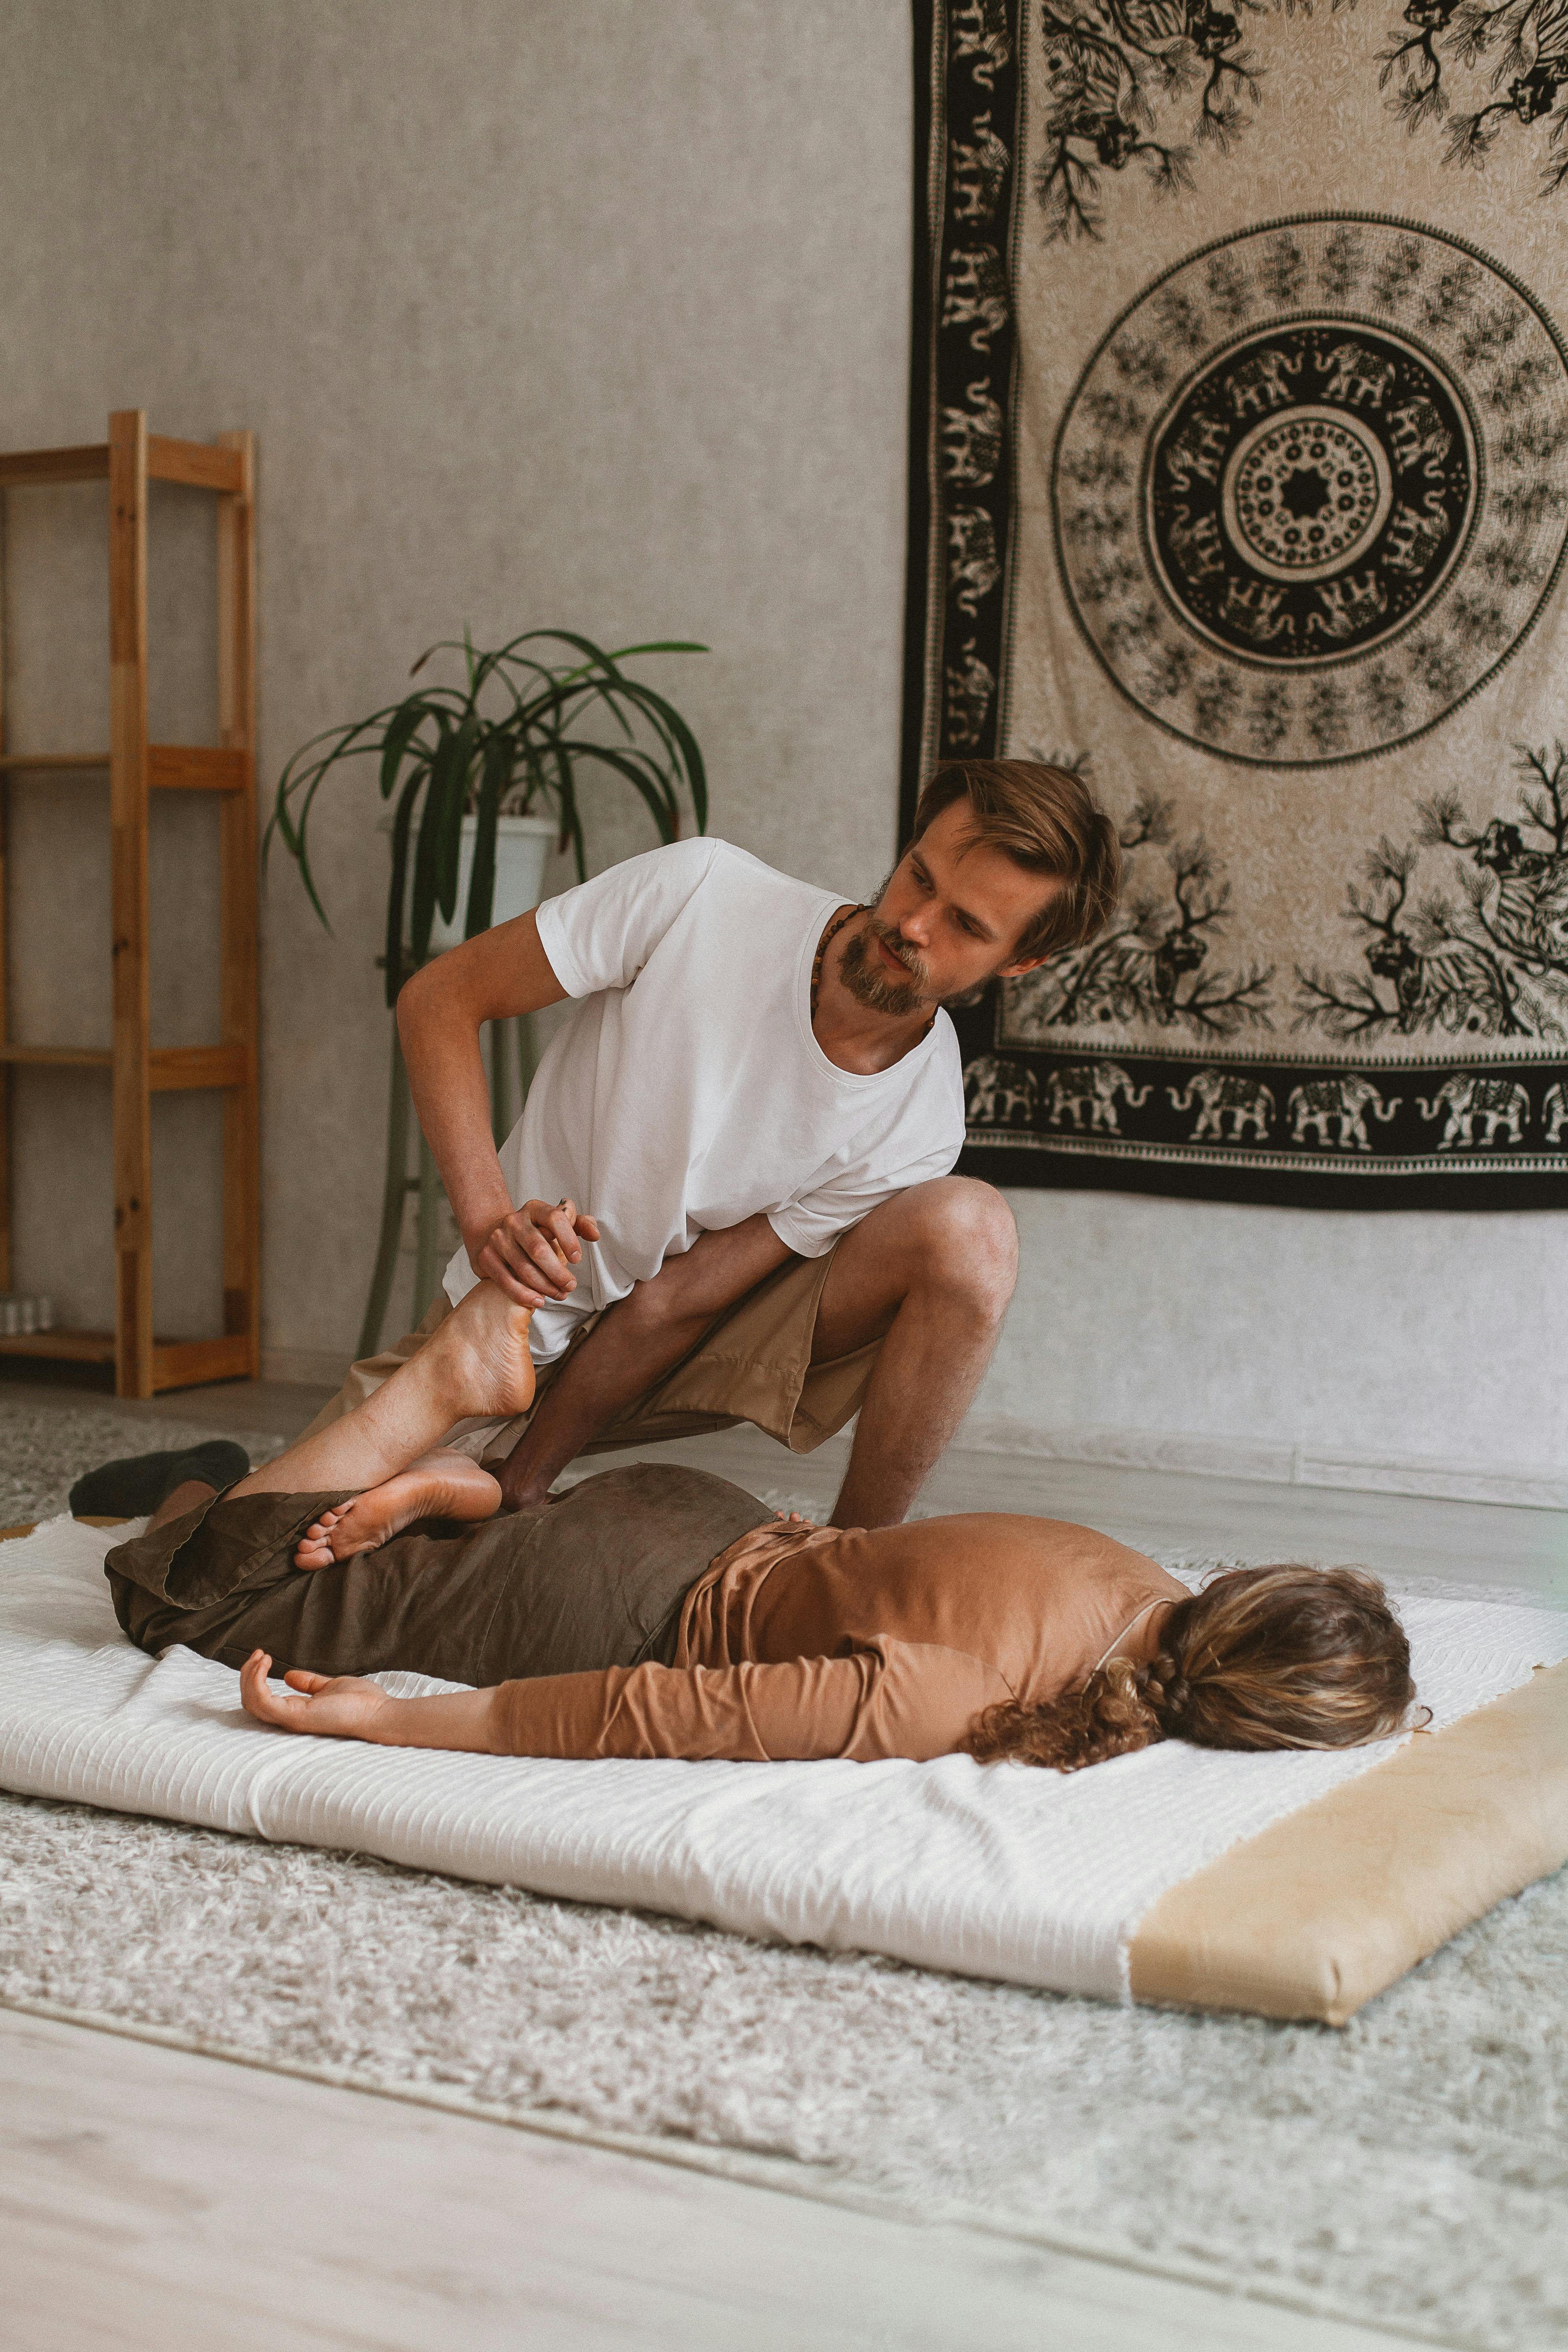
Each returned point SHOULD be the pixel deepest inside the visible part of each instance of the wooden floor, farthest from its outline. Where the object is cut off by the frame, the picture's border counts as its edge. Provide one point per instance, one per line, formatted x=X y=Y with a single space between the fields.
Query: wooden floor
x=153 y=2198
x=148 y=2198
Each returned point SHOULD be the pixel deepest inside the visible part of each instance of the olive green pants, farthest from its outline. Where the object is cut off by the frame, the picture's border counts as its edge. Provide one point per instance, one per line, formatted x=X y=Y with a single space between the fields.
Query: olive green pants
x=595 y=1579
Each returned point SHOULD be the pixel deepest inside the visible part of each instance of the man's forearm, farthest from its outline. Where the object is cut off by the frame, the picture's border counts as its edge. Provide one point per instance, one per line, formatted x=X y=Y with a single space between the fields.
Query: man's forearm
x=501 y=974
x=451 y=1102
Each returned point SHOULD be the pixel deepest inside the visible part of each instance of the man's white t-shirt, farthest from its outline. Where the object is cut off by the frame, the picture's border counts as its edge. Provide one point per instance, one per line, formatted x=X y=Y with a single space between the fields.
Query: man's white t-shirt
x=687 y=1092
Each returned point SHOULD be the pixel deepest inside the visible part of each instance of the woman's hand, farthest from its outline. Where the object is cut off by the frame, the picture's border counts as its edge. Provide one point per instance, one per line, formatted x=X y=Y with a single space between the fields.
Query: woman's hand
x=530 y=1254
x=332 y=1707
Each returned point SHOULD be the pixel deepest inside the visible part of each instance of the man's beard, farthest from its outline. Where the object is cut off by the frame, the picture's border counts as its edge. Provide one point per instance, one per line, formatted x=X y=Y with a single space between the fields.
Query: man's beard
x=871 y=984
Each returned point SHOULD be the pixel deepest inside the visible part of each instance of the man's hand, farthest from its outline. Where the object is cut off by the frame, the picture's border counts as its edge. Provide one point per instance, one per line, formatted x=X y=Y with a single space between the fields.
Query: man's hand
x=339 y=1706
x=531 y=1253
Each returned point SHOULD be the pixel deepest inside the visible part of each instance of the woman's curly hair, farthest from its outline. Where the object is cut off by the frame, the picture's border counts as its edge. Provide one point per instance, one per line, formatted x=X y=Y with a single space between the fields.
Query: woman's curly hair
x=1262 y=1657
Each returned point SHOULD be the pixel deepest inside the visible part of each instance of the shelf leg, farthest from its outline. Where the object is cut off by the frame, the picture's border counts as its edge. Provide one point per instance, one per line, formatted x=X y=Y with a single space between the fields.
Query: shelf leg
x=5 y=952
x=128 y=820
x=5 y=1034
x=238 y=894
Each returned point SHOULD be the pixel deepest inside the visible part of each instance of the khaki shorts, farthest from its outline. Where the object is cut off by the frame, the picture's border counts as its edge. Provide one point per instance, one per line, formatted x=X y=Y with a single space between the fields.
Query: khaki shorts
x=753 y=1364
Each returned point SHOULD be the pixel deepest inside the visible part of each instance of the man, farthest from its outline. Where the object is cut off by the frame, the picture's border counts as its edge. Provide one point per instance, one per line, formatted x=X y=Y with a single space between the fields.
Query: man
x=728 y=1197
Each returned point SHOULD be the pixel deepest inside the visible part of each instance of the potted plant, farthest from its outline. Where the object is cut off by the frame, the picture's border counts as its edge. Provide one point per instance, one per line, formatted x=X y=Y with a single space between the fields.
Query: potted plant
x=481 y=776
x=480 y=779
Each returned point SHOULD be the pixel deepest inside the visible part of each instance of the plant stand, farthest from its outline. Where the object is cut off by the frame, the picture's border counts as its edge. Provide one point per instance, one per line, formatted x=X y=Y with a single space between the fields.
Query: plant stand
x=511 y=1047
x=136 y=1068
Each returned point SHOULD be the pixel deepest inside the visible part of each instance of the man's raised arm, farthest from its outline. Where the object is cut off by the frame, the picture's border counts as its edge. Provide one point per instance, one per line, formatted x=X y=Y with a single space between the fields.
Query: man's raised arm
x=529 y=1251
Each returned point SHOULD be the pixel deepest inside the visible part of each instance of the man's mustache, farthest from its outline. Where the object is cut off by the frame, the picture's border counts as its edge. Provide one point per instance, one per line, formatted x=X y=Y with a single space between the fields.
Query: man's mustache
x=897 y=949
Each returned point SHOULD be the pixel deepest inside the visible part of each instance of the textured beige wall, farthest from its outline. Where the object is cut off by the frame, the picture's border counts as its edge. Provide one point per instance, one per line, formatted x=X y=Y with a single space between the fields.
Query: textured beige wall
x=579 y=313
x=565 y=311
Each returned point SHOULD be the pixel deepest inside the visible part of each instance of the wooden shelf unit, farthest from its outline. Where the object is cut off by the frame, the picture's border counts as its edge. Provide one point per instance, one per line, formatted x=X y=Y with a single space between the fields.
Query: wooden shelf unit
x=137 y=1069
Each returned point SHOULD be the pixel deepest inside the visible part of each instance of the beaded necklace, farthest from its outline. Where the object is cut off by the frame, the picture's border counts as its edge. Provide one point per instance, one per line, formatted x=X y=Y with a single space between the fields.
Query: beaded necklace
x=845 y=915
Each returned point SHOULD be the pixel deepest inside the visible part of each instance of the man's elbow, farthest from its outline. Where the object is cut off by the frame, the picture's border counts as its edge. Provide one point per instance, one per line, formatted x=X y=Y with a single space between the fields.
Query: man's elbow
x=418 y=1002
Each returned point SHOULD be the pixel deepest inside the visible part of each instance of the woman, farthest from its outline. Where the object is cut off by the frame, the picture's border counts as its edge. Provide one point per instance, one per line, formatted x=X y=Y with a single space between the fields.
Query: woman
x=658 y=1611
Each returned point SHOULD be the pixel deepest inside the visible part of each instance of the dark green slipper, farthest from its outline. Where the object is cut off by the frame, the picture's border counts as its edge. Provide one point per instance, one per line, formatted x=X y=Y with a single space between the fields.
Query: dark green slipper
x=133 y=1488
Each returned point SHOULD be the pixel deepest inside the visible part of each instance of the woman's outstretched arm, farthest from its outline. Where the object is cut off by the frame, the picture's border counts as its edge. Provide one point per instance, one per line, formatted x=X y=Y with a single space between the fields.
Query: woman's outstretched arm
x=884 y=1699
x=346 y=1706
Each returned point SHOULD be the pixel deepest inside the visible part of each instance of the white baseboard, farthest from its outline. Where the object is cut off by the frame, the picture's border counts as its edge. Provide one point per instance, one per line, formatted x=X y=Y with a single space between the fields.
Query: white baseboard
x=1533 y=1486
x=314 y=1368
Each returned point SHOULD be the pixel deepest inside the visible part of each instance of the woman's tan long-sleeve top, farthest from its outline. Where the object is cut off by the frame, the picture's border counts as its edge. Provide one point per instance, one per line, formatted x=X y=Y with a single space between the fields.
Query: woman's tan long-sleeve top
x=859 y=1643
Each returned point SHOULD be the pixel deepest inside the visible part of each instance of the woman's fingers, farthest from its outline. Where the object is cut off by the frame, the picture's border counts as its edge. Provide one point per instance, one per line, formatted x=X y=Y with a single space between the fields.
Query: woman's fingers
x=258 y=1699
x=299 y=1678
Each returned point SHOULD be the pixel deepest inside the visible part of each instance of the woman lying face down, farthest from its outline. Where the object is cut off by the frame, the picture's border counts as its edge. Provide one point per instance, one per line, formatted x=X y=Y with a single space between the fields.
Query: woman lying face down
x=1262 y=1658
x=658 y=1611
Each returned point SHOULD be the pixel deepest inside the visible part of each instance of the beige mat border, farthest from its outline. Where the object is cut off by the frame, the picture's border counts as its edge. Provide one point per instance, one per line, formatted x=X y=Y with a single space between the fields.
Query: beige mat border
x=1338 y=1900
x=1332 y=1904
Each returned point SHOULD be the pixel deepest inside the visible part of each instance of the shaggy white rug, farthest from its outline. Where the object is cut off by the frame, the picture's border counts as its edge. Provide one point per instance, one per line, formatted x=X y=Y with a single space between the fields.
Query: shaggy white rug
x=1410 y=2170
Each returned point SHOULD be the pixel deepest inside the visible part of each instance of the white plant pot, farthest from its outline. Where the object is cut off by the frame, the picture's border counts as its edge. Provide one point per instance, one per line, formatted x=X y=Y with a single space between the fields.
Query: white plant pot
x=522 y=844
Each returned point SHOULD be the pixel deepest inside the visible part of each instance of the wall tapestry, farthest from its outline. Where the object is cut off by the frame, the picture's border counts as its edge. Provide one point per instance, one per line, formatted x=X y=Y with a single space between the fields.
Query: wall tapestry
x=1239 y=480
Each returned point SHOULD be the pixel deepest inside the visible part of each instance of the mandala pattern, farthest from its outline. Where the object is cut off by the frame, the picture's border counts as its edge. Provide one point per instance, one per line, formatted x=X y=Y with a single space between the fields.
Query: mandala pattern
x=1310 y=490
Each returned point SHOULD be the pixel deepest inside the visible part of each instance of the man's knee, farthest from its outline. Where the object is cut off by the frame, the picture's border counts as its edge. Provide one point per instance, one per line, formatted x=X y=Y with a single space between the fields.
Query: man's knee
x=667 y=1301
x=966 y=1240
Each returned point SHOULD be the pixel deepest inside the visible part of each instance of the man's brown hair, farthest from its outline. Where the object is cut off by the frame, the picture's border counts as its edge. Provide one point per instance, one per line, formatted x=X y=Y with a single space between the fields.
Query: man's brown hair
x=1048 y=821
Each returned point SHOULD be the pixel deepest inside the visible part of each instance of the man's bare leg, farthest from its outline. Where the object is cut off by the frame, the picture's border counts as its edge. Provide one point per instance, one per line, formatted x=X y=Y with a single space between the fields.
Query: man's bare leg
x=639 y=1339
x=930 y=1274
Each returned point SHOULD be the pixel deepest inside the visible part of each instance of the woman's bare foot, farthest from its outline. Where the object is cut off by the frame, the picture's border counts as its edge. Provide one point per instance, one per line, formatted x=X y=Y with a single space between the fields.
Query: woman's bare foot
x=440 y=1485
x=484 y=1356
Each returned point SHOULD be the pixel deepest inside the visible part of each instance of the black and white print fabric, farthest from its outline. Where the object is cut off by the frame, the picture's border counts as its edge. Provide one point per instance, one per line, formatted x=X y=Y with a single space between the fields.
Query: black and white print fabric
x=1239 y=477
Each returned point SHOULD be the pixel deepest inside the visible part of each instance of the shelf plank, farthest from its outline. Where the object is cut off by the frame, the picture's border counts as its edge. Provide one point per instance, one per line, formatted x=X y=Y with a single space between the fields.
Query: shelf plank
x=19 y=763
x=185 y=1363
x=171 y=767
x=59 y=1057
x=196 y=463
x=89 y=463
x=64 y=1346
x=171 y=1069
x=191 y=1069
x=177 y=1363
x=197 y=768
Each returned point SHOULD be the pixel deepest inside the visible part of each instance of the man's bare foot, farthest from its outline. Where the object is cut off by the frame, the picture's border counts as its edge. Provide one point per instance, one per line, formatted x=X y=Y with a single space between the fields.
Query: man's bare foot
x=440 y=1485
x=483 y=1346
